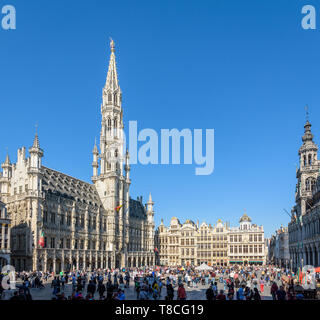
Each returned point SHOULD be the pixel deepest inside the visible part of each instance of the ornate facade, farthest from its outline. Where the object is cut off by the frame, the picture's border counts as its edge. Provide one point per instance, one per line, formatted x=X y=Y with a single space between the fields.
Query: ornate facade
x=304 y=227
x=5 y=224
x=246 y=243
x=82 y=225
x=279 y=248
x=191 y=244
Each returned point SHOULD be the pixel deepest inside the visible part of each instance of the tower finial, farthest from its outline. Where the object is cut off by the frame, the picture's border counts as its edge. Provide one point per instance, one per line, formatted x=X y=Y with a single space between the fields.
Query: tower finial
x=112 y=45
x=307 y=112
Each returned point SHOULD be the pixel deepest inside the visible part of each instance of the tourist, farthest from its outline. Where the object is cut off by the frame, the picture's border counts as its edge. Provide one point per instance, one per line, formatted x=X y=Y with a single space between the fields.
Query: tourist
x=182 y=295
x=221 y=295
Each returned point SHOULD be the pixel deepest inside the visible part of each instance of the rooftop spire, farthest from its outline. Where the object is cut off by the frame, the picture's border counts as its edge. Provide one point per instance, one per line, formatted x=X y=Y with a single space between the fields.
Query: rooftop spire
x=95 y=148
x=7 y=161
x=308 y=136
x=36 y=143
x=112 y=83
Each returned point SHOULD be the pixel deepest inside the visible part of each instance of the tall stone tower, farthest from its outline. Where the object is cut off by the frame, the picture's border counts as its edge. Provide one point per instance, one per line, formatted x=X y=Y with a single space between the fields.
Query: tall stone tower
x=307 y=172
x=110 y=182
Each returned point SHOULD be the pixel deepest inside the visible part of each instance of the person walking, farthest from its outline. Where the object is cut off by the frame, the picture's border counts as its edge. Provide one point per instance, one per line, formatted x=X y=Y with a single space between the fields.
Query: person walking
x=273 y=290
x=182 y=295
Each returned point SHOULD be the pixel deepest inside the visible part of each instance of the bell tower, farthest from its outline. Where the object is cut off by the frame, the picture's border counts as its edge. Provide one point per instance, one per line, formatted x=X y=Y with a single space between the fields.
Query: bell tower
x=108 y=163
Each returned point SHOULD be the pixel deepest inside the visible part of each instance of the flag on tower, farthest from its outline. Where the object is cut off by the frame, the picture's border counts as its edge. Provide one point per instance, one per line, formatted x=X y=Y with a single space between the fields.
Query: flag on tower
x=118 y=208
x=41 y=240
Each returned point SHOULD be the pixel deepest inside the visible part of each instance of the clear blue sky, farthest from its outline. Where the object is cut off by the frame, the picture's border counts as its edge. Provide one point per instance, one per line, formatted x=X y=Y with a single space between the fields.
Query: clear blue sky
x=244 y=68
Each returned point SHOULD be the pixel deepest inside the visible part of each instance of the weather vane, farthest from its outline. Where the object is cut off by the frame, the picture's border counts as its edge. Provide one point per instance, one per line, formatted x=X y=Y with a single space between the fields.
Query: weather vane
x=307 y=112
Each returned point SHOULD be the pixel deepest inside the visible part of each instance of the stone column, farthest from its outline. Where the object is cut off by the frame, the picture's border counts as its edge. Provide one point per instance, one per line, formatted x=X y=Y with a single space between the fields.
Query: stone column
x=45 y=261
x=54 y=262
x=62 y=261
x=101 y=260
x=77 y=260
x=3 y=236
x=9 y=234
x=35 y=260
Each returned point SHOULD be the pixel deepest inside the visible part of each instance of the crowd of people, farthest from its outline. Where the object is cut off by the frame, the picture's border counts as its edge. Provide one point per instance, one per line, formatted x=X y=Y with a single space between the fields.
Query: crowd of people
x=154 y=283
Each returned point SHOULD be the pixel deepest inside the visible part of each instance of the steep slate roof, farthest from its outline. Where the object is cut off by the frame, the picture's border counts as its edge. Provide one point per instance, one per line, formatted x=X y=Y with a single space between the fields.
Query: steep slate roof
x=68 y=187
x=137 y=209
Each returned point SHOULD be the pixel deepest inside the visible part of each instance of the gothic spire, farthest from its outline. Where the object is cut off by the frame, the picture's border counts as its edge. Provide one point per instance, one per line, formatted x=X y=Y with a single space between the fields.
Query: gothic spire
x=36 y=143
x=112 y=83
x=95 y=148
x=7 y=162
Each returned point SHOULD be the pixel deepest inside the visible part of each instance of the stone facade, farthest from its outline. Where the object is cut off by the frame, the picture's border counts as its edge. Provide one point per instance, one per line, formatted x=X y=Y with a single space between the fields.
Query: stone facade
x=83 y=225
x=246 y=243
x=191 y=244
x=304 y=227
x=5 y=224
x=279 y=248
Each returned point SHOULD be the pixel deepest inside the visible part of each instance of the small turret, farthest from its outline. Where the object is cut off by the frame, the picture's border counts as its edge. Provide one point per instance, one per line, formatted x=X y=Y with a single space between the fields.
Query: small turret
x=127 y=166
x=95 y=163
x=36 y=153
x=150 y=204
x=7 y=167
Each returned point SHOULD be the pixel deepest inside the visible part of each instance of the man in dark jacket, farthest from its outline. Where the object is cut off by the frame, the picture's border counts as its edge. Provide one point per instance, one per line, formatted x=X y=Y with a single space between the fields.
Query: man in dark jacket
x=209 y=294
x=101 y=289
x=91 y=288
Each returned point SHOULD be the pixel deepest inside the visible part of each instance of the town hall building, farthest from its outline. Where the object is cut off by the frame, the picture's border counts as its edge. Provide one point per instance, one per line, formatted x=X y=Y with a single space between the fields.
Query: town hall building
x=61 y=223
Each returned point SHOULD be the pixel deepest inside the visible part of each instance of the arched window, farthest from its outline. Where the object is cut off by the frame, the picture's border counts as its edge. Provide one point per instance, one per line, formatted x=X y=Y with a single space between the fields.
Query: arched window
x=109 y=125
x=109 y=97
x=115 y=126
x=309 y=160
x=310 y=184
x=115 y=99
x=116 y=153
x=304 y=161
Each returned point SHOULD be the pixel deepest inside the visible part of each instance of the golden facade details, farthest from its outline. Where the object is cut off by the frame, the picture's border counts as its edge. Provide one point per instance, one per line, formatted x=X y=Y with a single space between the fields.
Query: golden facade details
x=194 y=244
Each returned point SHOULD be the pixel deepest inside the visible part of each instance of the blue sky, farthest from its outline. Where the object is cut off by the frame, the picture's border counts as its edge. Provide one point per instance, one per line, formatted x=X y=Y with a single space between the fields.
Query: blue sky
x=244 y=68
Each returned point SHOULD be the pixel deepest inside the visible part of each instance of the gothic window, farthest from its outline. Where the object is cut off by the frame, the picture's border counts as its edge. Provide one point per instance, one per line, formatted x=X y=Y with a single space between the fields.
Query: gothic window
x=115 y=125
x=115 y=98
x=62 y=220
x=53 y=217
x=53 y=242
x=310 y=184
x=69 y=219
x=45 y=216
x=109 y=97
x=109 y=125
x=108 y=165
x=304 y=161
x=309 y=160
